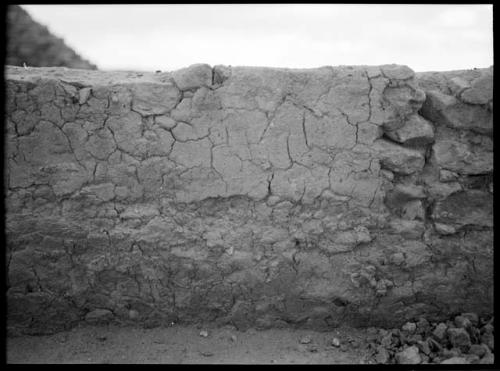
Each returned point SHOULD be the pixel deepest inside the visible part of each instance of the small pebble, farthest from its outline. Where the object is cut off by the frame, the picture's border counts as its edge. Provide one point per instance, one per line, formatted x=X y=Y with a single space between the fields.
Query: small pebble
x=305 y=340
x=204 y=333
x=313 y=349
x=409 y=327
x=335 y=342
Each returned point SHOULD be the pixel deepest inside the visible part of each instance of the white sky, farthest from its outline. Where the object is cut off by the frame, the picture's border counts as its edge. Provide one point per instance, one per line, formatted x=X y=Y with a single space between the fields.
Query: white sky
x=167 y=37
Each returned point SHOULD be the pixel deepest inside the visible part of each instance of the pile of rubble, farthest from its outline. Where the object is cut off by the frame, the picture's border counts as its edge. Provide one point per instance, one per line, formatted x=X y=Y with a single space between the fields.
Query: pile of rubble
x=467 y=339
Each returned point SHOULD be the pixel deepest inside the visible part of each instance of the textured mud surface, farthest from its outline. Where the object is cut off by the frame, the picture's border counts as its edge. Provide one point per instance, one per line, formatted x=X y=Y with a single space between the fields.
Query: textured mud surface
x=31 y=43
x=258 y=197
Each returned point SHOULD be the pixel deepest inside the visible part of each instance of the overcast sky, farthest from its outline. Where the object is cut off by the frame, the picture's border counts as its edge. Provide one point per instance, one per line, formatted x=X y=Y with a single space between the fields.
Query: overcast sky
x=167 y=37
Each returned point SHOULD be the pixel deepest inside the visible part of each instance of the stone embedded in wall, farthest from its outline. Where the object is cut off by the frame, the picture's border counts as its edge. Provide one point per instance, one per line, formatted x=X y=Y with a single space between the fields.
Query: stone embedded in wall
x=417 y=131
x=458 y=156
x=450 y=111
x=400 y=159
x=253 y=196
x=468 y=208
x=480 y=91
x=460 y=100
x=193 y=77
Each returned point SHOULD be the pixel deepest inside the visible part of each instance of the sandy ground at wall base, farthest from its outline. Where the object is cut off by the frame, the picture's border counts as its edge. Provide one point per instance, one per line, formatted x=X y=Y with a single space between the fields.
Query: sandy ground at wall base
x=184 y=344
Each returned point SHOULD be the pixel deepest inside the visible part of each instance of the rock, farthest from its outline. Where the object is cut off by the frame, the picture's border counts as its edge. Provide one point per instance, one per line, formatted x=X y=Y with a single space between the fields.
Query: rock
x=480 y=92
x=446 y=110
x=454 y=361
x=459 y=157
x=306 y=339
x=312 y=348
x=399 y=159
x=417 y=131
x=444 y=229
x=84 y=95
x=383 y=332
x=447 y=175
x=386 y=340
x=413 y=210
x=409 y=327
x=458 y=85
x=425 y=359
x=206 y=354
x=488 y=339
x=336 y=342
x=403 y=193
x=440 y=331
x=472 y=359
x=397 y=258
x=459 y=338
x=424 y=347
x=382 y=355
x=154 y=99
x=99 y=315
x=471 y=207
x=409 y=356
x=193 y=77
x=423 y=326
x=475 y=334
x=233 y=338
x=204 y=333
x=478 y=349
x=488 y=328
x=488 y=358
x=434 y=345
x=413 y=339
x=397 y=72
x=220 y=74
x=453 y=352
x=463 y=322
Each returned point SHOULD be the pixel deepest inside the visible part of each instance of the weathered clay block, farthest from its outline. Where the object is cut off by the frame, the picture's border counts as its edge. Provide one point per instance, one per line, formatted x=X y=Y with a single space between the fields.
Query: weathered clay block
x=251 y=196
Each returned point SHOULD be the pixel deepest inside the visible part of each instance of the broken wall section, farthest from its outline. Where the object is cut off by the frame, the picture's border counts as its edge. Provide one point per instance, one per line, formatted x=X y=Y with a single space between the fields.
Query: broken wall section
x=253 y=196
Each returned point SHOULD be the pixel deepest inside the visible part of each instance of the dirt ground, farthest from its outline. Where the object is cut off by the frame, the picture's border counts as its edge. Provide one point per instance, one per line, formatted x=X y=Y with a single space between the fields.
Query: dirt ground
x=184 y=344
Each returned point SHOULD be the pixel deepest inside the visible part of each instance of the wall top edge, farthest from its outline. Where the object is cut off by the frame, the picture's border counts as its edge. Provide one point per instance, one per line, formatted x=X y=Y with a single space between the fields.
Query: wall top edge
x=99 y=77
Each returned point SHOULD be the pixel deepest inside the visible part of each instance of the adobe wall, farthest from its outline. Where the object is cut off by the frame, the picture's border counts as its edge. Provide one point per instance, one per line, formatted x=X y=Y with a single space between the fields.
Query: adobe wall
x=254 y=196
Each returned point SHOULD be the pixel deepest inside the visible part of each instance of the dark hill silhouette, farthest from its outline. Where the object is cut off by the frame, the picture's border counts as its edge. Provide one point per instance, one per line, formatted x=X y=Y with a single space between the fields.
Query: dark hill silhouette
x=31 y=43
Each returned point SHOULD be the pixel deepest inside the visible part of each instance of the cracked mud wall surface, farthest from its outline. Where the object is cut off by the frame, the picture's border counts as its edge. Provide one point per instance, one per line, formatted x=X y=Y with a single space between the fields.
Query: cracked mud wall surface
x=253 y=196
